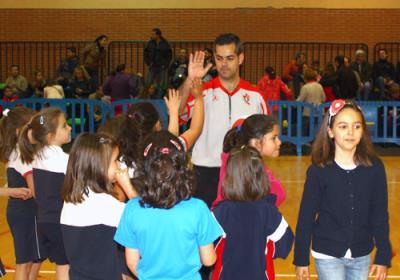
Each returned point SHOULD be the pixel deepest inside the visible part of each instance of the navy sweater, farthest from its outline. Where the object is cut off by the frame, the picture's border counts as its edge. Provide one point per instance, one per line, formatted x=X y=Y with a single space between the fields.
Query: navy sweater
x=343 y=209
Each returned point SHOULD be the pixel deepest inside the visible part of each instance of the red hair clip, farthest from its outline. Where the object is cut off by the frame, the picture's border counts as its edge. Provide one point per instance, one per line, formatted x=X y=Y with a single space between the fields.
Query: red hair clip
x=335 y=108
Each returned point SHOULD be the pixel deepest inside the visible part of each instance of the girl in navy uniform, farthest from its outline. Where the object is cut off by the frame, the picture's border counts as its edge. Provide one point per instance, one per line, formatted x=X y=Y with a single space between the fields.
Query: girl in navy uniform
x=344 y=209
x=21 y=208
x=249 y=219
x=40 y=145
x=91 y=212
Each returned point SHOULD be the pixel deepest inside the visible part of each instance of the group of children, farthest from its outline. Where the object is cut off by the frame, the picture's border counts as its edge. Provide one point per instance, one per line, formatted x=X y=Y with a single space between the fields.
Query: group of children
x=71 y=208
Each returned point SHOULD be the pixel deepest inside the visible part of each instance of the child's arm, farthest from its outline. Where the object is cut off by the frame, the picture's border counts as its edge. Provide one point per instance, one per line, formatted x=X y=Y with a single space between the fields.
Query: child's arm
x=132 y=257
x=173 y=102
x=207 y=254
x=22 y=193
x=124 y=182
x=196 y=126
x=29 y=181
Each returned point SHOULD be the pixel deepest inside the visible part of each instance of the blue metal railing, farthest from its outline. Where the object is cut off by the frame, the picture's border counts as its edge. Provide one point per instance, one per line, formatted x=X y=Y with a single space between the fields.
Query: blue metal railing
x=383 y=119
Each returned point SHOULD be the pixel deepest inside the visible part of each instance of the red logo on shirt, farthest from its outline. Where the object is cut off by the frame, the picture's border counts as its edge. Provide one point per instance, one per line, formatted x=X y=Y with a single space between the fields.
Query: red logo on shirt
x=215 y=97
x=246 y=98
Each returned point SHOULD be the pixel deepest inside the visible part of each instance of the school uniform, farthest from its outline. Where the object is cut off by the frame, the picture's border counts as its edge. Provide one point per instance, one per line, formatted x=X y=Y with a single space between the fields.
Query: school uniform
x=22 y=214
x=88 y=230
x=248 y=227
x=49 y=169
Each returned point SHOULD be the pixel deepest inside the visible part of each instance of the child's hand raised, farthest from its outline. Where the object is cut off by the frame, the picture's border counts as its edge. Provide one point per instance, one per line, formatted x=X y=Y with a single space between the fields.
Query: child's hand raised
x=122 y=178
x=197 y=88
x=173 y=101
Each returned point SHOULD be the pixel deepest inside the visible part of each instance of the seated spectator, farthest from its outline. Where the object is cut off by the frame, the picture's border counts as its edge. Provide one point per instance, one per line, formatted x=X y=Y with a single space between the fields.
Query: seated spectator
x=271 y=87
x=328 y=82
x=8 y=96
x=209 y=59
x=120 y=85
x=293 y=73
x=53 y=90
x=383 y=74
x=363 y=69
x=36 y=87
x=67 y=65
x=312 y=92
x=178 y=69
x=98 y=95
x=17 y=82
x=346 y=79
x=81 y=85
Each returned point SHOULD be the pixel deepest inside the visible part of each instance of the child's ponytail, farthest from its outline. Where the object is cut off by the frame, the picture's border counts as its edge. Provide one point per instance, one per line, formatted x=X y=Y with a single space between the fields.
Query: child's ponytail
x=27 y=148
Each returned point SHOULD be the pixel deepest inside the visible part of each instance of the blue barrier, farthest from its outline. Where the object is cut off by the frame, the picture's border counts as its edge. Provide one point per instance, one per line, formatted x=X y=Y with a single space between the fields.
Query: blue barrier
x=382 y=118
x=80 y=113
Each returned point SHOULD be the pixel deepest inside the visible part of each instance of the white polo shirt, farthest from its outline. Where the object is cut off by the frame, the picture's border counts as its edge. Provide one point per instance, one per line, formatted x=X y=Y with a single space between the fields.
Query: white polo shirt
x=222 y=109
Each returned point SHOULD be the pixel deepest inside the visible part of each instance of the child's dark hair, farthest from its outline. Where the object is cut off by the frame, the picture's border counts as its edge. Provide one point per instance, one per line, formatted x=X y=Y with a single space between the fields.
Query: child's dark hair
x=139 y=122
x=34 y=136
x=88 y=164
x=270 y=71
x=164 y=176
x=255 y=126
x=323 y=148
x=245 y=178
x=15 y=120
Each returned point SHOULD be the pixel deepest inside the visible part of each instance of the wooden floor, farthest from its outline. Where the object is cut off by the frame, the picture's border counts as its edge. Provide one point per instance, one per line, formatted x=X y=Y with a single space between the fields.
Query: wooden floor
x=291 y=171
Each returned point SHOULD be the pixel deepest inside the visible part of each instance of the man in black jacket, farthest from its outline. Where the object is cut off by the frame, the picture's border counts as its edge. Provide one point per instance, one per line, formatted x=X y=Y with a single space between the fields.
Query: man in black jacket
x=363 y=69
x=157 y=56
x=383 y=73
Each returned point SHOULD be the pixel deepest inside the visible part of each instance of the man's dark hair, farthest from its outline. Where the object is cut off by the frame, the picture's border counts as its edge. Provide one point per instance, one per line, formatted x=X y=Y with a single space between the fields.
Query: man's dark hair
x=382 y=49
x=157 y=31
x=229 y=38
x=72 y=49
x=14 y=65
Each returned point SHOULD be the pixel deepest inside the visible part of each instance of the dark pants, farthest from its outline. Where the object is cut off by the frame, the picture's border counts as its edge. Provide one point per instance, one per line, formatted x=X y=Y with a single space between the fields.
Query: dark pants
x=207 y=183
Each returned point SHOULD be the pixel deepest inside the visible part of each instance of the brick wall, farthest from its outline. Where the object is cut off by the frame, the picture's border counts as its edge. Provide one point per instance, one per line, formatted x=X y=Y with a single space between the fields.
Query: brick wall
x=334 y=25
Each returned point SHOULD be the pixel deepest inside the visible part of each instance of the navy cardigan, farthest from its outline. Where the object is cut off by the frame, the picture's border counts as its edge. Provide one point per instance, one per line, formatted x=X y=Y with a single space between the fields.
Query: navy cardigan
x=343 y=209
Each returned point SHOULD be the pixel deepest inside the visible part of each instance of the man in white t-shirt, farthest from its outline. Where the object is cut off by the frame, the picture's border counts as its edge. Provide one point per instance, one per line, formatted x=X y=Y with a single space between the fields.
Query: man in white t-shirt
x=226 y=99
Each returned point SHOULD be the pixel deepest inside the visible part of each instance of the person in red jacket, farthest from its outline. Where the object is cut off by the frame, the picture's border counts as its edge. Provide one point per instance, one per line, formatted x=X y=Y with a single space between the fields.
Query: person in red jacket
x=271 y=87
x=8 y=96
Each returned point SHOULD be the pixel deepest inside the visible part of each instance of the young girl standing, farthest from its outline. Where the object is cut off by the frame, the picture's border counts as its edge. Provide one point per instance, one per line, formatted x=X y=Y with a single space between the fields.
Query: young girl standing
x=249 y=220
x=344 y=209
x=21 y=208
x=40 y=145
x=166 y=232
x=262 y=133
x=91 y=212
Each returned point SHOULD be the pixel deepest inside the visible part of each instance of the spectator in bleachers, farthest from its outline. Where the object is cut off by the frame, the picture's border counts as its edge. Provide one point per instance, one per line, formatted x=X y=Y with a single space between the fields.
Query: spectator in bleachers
x=209 y=59
x=178 y=69
x=346 y=79
x=92 y=57
x=81 y=86
x=17 y=82
x=66 y=68
x=53 y=90
x=157 y=56
x=36 y=87
x=293 y=73
x=8 y=96
x=383 y=73
x=363 y=69
x=312 y=92
x=328 y=82
x=120 y=85
x=271 y=87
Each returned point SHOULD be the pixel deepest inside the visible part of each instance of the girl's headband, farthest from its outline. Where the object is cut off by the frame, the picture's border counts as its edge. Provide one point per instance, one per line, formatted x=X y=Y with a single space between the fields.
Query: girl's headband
x=336 y=106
